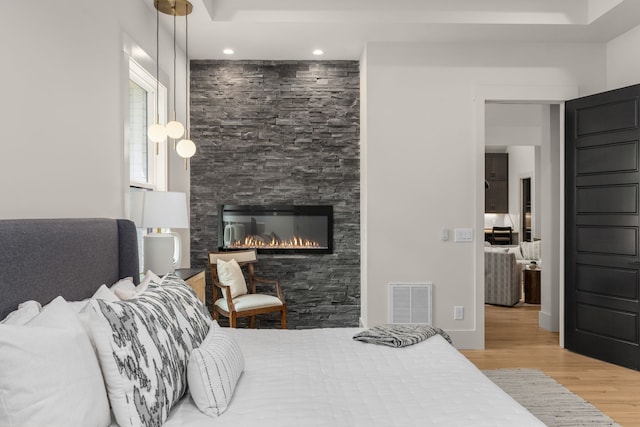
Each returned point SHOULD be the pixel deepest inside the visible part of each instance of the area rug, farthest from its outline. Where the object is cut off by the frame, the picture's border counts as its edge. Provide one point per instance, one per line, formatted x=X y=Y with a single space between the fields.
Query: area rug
x=547 y=399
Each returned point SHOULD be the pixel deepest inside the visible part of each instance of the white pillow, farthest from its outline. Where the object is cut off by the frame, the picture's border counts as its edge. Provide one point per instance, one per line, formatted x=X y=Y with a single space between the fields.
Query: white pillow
x=230 y=274
x=531 y=250
x=25 y=312
x=50 y=374
x=515 y=250
x=128 y=292
x=150 y=277
x=106 y=294
x=213 y=371
x=125 y=286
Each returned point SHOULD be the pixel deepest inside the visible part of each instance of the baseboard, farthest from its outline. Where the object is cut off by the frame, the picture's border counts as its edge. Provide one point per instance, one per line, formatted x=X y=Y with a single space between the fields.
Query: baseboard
x=546 y=321
x=467 y=340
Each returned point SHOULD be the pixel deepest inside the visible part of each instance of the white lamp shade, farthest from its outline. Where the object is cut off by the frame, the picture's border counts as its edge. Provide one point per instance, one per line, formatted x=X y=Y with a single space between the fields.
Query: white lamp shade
x=186 y=148
x=159 y=209
x=175 y=129
x=157 y=132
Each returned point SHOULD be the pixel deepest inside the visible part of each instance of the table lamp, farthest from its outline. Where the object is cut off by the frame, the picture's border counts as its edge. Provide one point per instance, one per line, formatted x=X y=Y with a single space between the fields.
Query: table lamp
x=160 y=209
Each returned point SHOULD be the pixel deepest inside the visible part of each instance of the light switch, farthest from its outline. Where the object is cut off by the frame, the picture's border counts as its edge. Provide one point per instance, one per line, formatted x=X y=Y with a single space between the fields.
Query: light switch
x=445 y=234
x=464 y=235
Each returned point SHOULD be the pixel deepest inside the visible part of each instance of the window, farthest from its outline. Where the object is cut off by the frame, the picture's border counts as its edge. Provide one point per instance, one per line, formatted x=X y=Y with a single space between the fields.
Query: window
x=147 y=160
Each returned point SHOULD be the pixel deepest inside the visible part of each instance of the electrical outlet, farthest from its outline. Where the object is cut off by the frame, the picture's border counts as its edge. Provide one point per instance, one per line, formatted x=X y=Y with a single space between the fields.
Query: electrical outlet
x=458 y=312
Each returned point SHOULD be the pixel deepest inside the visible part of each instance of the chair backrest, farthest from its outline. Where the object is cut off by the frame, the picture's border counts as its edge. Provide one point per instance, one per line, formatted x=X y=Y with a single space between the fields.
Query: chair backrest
x=509 y=229
x=242 y=257
x=498 y=234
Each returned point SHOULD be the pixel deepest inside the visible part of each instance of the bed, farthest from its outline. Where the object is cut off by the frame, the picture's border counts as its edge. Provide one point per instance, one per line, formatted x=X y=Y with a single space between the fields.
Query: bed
x=318 y=377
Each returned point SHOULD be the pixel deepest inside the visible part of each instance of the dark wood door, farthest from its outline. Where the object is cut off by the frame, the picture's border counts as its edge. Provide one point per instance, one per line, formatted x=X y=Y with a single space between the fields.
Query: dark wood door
x=602 y=257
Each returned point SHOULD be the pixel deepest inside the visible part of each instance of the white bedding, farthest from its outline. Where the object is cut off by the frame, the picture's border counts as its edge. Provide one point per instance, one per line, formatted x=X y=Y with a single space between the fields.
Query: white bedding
x=322 y=377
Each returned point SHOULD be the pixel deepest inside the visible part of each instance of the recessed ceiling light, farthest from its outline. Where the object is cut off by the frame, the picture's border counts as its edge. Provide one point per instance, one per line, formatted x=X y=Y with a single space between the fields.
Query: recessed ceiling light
x=318 y=52
x=228 y=51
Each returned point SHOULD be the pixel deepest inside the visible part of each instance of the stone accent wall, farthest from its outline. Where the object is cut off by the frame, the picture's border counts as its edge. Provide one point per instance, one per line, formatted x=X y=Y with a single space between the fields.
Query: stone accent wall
x=282 y=132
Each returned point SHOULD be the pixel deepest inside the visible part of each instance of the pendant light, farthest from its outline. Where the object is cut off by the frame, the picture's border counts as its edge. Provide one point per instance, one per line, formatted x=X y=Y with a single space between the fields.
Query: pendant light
x=175 y=129
x=157 y=132
x=186 y=148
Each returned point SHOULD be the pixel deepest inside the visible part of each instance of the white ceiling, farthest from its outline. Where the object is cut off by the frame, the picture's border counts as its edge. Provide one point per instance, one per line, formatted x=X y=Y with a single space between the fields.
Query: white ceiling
x=291 y=29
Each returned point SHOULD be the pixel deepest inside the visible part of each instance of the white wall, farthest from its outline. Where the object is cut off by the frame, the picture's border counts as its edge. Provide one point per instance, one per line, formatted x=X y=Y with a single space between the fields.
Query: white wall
x=513 y=124
x=423 y=165
x=62 y=105
x=623 y=62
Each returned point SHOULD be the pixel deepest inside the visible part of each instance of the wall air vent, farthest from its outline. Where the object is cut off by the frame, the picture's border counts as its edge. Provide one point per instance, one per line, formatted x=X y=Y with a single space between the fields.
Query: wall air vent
x=410 y=303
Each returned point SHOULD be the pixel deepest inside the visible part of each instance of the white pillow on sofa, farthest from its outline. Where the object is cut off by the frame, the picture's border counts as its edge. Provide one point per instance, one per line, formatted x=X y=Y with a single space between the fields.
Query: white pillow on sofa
x=230 y=274
x=213 y=371
x=516 y=251
x=50 y=374
x=531 y=250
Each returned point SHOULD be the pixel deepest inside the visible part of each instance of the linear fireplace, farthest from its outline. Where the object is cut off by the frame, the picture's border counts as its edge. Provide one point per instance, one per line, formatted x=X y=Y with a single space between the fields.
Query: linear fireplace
x=276 y=229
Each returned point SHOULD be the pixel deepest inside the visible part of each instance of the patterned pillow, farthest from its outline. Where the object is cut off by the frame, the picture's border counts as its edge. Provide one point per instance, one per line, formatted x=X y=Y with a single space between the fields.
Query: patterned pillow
x=143 y=345
x=193 y=314
x=214 y=370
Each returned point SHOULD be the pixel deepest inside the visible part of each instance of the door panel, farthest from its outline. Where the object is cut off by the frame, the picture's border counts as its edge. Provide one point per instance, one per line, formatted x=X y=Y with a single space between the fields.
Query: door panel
x=611 y=158
x=607 y=240
x=607 y=199
x=607 y=117
x=608 y=322
x=602 y=256
x=611 y=281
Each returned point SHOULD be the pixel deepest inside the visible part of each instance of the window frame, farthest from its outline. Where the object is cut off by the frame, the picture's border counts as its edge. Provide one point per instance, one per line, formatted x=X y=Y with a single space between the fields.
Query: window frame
x=156 y=151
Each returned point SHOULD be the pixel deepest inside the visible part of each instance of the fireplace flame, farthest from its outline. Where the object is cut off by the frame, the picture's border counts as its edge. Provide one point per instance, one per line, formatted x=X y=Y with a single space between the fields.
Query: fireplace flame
x=295 y=242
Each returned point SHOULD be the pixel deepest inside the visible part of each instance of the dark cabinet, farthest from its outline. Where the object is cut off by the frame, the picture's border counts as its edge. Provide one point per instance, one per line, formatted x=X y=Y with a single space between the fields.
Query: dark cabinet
x=496 y=194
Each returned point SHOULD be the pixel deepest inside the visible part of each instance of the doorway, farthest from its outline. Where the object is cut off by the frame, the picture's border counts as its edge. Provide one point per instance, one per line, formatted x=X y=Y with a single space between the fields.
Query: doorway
x=550 y=189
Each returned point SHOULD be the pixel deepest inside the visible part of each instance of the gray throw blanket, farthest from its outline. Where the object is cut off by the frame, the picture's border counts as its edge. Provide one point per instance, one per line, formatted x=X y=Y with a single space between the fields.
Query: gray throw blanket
x=399 y=335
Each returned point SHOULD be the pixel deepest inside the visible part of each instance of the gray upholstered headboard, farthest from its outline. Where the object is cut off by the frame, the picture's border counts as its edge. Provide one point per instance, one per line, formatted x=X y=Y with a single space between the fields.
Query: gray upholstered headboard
x=43 y=258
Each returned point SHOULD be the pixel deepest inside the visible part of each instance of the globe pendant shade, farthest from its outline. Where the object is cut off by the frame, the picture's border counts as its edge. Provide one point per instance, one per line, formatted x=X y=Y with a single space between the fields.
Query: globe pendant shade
x=175 y=129
x=186 y=148
x=157 y=133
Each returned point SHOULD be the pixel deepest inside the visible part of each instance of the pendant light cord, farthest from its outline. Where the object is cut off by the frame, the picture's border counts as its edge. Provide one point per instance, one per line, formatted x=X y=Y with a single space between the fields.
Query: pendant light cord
x=157 y=63
x=174 y=62
x=186 y=76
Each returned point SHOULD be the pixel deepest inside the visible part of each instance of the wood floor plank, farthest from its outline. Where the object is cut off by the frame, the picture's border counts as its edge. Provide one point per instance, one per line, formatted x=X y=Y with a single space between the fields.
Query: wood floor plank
x=514 y=340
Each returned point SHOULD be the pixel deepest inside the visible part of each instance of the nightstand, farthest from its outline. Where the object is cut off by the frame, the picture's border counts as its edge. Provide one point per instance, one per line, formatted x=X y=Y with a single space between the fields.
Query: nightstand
x=194 y=278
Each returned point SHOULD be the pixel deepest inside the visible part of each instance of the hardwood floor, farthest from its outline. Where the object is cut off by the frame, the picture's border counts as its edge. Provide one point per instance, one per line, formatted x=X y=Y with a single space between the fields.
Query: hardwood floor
x=514 y=340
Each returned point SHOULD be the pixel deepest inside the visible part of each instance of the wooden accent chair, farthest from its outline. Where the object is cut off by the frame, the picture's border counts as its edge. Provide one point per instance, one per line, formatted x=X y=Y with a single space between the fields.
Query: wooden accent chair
x=251 y=303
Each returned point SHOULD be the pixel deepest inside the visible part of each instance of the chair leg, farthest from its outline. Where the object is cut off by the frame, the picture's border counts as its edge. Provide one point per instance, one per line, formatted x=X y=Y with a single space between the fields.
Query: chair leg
x=232 y=321
x=252 y=322
x=283 y=319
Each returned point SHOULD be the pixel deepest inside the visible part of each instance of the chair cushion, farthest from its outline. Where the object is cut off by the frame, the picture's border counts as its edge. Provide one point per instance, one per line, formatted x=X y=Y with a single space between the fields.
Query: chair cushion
x=250 y=302
x=230 y=274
